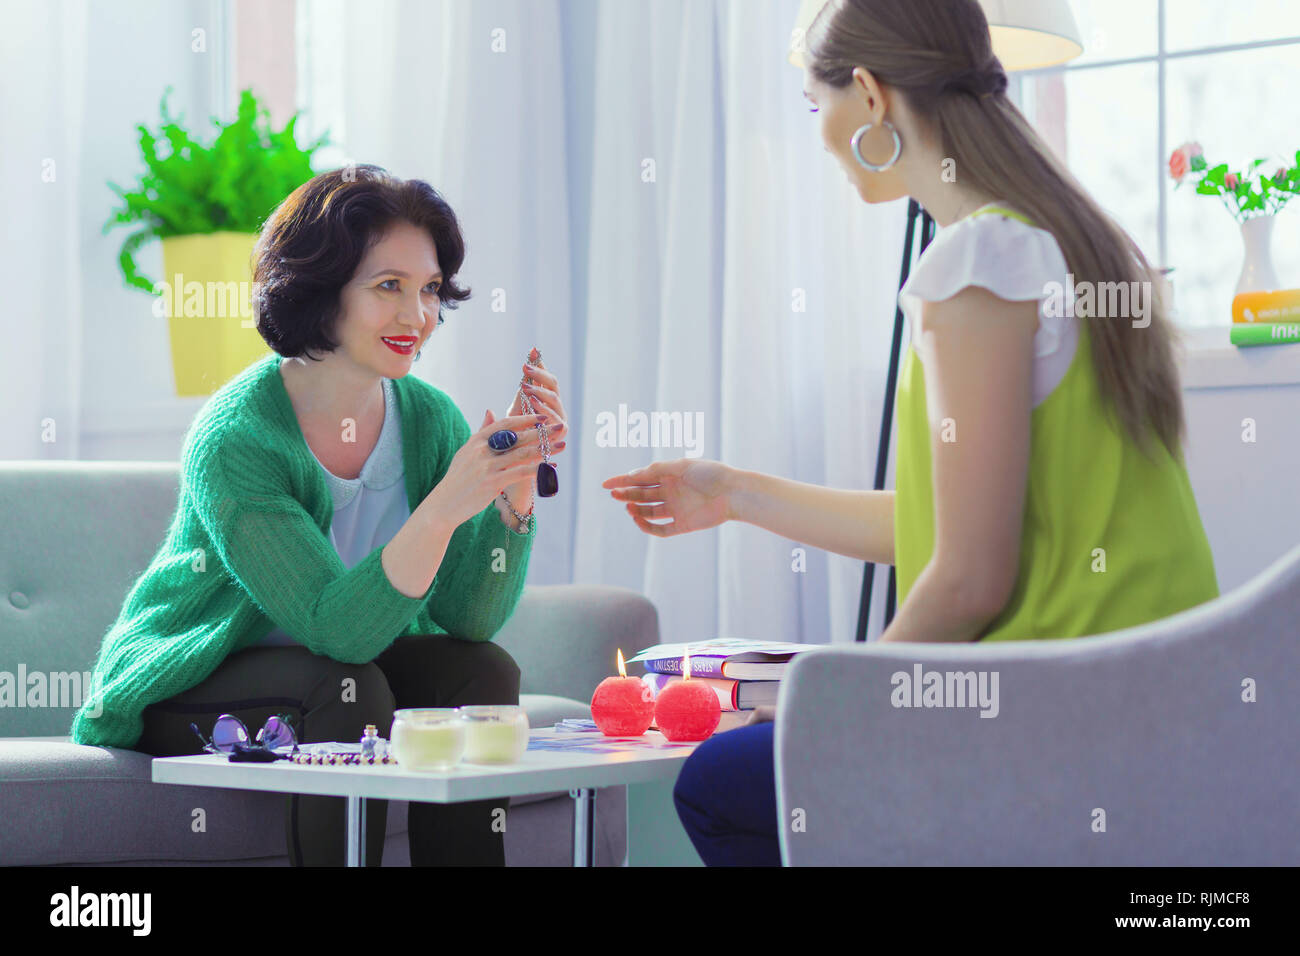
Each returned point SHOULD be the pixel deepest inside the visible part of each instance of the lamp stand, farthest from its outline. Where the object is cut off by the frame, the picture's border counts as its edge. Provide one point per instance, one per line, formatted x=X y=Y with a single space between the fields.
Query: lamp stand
x=887 y=415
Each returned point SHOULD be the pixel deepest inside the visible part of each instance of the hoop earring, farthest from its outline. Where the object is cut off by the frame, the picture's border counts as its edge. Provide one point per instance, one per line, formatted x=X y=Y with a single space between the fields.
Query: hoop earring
x=856 y=146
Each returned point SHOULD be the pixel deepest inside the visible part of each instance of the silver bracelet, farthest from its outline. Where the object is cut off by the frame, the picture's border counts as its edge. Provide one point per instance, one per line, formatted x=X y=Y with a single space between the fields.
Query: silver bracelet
x=525 y=521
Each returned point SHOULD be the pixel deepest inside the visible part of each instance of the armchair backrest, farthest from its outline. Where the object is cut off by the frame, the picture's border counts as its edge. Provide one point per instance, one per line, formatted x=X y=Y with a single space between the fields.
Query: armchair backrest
x=1174 y=743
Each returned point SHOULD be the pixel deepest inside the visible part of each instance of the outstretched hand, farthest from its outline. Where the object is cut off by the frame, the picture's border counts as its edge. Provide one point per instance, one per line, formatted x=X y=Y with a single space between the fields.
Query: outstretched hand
x=694 y=493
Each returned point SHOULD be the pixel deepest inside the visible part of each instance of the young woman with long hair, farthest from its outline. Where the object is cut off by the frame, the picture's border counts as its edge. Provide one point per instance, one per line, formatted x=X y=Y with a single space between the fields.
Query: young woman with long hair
x=1041 y=488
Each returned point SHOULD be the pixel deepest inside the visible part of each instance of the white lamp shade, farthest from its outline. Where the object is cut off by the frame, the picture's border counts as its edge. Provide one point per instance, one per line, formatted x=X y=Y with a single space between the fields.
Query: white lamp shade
x=1026 y=34
x=808 y=10
x=1031 y=34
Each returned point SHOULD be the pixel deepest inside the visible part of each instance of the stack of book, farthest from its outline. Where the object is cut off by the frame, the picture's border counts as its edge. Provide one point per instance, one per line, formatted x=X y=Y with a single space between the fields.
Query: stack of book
x=744 y=674
x=1266 y=318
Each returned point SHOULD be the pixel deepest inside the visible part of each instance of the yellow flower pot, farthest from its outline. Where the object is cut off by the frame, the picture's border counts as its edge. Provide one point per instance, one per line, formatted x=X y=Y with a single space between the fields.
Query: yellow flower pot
x=205 y=295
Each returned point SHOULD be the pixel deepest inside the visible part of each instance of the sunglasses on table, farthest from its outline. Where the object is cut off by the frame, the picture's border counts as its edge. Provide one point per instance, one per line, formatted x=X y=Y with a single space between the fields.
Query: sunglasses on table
x=230 y=736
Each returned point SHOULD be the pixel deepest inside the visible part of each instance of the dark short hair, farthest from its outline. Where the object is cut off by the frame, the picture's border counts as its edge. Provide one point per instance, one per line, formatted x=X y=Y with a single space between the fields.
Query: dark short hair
x=310 y=246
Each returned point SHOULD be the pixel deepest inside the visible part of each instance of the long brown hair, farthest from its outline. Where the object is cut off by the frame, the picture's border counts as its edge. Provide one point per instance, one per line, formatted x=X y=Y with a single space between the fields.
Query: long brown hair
x=939 y=55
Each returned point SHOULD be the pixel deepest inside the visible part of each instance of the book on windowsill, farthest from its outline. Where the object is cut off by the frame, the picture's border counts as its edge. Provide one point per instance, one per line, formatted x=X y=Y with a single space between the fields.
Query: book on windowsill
x=1246 y=334
x=732 y=694
x=722 y=657
x=1277 y=306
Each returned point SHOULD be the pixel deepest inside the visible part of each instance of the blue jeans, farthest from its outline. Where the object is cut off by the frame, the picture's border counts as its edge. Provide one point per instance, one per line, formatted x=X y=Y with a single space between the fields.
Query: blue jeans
x=726 y=798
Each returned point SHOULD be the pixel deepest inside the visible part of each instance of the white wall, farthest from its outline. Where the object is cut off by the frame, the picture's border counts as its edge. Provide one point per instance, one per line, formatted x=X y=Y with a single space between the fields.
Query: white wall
x=1246 y=490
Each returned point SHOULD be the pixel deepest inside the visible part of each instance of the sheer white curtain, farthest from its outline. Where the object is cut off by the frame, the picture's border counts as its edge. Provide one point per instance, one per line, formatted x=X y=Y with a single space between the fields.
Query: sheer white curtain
x=79 y=351
x=42 y=77
x=470 y=98
x=647 y=186
x=747 y=283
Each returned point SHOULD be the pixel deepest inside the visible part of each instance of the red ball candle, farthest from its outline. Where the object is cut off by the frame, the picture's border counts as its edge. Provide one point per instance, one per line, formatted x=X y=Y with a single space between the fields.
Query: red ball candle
x=623 y=706
x=687 y=709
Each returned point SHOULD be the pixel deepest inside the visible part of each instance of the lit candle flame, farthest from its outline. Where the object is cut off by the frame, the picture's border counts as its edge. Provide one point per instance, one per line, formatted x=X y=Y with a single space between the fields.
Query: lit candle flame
x=622 y=668
x=686 y=665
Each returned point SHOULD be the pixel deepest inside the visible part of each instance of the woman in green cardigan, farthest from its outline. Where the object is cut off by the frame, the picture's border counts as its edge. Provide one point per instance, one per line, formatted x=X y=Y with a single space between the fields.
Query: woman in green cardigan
x=343 y=546
x=1041 y=489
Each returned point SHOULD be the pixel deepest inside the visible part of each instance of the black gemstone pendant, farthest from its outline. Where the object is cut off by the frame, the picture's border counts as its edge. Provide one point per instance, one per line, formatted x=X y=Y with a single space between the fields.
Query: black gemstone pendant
x=547 y=482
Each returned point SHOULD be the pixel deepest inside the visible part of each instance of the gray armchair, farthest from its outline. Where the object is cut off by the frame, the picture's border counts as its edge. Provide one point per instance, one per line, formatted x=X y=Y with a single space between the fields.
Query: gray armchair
x=1149 y=732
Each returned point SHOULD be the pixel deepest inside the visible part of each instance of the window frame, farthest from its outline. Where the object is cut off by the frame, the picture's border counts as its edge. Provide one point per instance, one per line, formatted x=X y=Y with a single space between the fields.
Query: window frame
x=1161 y=59
x=1211 y=360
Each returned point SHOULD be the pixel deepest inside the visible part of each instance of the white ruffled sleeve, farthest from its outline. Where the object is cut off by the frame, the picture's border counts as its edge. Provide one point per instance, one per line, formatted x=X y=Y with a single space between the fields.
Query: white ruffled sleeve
x=1013 y=260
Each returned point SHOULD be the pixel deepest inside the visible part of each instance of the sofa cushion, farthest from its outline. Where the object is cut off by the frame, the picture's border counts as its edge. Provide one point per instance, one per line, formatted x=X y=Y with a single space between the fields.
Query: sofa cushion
x=65 y=803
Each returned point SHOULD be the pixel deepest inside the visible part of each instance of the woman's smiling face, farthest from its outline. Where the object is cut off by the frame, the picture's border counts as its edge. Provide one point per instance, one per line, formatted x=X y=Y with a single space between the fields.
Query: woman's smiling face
x=393 y=295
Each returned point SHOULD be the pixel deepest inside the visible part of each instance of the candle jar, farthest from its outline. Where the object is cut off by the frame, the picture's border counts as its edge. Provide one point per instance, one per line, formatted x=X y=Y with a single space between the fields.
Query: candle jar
x=428 y=738
x=494 y=733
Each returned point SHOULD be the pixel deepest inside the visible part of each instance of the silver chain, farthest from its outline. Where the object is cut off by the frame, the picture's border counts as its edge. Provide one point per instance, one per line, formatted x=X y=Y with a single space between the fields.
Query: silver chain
x=542 y=437
x=543 y=440
x=525 y=521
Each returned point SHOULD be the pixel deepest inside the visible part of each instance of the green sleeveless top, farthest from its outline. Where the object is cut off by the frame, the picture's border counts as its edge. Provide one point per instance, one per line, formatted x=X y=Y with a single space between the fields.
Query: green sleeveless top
x=1110 y=538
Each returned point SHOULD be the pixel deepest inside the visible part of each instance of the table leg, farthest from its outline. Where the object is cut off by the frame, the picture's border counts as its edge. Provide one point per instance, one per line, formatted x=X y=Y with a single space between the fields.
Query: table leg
x=356 y=831
x=584 y=826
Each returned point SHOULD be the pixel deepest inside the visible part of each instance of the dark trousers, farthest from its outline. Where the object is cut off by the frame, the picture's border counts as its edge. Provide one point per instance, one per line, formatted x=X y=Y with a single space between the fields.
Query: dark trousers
x=726 y=798
x=328 y=700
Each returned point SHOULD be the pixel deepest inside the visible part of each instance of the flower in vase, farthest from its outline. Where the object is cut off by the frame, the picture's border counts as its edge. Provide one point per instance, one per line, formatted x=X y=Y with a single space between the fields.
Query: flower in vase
x=1179 y=163
x=1189 y=157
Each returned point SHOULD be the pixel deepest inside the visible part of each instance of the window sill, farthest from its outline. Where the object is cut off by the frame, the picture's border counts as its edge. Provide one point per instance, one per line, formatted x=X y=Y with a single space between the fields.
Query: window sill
x=1212 y=361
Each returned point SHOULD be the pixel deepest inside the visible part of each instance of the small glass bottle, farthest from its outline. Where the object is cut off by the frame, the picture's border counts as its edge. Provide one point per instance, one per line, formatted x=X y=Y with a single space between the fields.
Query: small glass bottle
x=369 y=739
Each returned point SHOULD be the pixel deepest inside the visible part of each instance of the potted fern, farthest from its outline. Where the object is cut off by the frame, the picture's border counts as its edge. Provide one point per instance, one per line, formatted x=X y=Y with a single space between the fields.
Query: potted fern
x=206 y=203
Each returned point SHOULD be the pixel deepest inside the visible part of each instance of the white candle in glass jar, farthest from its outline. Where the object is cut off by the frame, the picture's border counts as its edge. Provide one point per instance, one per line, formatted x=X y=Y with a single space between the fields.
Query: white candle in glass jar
x=427 y=744
x=495 y=734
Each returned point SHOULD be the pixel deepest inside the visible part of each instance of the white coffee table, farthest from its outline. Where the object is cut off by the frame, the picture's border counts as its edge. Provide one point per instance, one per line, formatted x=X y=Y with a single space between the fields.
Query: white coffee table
x=618 y=761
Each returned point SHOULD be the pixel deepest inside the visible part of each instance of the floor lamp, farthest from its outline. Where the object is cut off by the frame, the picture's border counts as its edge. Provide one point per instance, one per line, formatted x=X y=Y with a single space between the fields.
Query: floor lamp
x=1026 y=35
x=887 y=414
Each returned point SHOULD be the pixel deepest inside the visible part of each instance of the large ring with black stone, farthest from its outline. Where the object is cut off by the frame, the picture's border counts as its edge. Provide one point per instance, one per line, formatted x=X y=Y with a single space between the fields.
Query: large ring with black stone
x=503 y=440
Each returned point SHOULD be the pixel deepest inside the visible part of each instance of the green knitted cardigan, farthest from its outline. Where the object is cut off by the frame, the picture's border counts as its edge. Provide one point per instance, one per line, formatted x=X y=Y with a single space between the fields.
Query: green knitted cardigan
x=248 y=550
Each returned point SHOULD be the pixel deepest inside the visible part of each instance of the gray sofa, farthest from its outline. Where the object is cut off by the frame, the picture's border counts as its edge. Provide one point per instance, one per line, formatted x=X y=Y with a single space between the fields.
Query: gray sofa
x=1147 y=731
x=76 y=535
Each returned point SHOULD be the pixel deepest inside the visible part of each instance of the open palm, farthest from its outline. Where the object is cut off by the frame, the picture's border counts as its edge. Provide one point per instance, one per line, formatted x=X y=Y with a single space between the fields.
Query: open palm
x=693 y=492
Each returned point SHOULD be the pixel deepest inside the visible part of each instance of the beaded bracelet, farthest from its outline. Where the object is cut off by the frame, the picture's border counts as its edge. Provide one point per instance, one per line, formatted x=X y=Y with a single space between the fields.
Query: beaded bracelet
x=340 y=759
